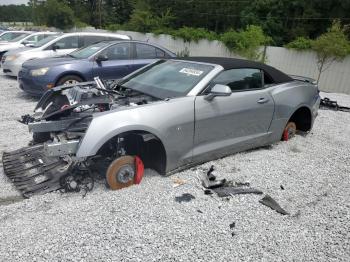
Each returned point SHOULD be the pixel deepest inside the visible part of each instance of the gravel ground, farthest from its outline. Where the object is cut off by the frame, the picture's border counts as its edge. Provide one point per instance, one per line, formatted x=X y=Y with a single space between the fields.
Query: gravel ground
x=145 y=223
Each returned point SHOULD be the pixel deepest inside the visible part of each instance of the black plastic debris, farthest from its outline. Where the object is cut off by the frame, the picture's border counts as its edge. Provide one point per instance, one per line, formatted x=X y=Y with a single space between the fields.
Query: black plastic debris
x=232 y=226
x=270 y=202
x=186 y=197
x=282 y=187
x=242 y=184
x=199 y=211
x=210 y=174
x=208 y=192
x=326 y=103
x=230 y=191
x=213 y=184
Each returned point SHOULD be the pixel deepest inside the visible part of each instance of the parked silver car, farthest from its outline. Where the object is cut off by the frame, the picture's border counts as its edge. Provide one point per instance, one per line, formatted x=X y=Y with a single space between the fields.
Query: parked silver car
x=168 y=116
x=22 y=41
x=55 y=45
x=9 y=35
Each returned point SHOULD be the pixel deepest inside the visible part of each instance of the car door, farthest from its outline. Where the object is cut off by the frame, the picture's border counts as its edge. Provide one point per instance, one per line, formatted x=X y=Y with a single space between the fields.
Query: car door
x=62 y=46
x=118 y=62
x=232 y=123
x=146 y=54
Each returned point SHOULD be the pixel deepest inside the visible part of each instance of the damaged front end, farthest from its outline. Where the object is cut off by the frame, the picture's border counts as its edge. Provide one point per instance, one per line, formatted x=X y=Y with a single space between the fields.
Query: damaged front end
x=59 y=123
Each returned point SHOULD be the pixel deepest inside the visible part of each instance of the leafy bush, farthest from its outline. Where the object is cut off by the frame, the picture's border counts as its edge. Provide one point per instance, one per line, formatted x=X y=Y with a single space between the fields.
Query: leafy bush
x=80 y=24
x=300 y=43
x=193 y=34
x=114 y=27
x=246 y=42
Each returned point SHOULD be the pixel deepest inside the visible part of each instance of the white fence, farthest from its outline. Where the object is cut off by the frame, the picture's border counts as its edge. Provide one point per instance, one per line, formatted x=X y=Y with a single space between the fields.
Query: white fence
x=336 y=79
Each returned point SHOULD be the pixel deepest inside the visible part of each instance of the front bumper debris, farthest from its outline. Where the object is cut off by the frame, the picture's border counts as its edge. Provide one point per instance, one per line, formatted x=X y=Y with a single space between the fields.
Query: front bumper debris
x=33 y=171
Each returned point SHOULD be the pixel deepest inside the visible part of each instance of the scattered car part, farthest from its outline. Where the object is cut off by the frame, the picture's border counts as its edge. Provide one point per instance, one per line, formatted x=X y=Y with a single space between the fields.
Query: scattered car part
x=247 y=184
x=210 y=174
x=270 y=202
x=208 y=192
x=33 y=172
x=230 y=191
x=186 y=197
x=327 y=103
x=213 y=184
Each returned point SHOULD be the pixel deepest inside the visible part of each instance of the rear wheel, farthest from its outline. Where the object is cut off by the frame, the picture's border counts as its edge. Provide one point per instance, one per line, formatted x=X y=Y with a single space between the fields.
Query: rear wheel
x=289 y=131
x=69 y=80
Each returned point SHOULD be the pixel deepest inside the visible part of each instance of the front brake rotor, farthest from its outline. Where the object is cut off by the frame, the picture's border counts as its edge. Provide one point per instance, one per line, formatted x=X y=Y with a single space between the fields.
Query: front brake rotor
x=121 y=172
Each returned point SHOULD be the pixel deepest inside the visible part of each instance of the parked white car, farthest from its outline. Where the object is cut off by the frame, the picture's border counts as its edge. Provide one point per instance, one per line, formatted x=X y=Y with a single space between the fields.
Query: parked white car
x=23 y=40
x=56 y=45
x=9 y=35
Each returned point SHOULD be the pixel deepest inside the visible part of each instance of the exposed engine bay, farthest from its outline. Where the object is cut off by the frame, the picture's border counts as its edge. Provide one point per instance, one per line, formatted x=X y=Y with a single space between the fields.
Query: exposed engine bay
x=60 y=120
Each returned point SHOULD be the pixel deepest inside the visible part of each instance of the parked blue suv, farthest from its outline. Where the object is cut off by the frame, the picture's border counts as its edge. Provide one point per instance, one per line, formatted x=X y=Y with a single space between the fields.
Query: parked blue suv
x=107 y=59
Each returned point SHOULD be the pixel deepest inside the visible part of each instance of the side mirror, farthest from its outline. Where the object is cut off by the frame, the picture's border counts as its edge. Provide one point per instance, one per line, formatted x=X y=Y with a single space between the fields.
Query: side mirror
x=55 y=47
x=218 y=90
x=101 y=57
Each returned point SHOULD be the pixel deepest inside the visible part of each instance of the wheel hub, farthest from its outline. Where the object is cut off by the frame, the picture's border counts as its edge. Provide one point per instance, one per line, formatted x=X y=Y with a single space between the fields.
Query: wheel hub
x=126 y=174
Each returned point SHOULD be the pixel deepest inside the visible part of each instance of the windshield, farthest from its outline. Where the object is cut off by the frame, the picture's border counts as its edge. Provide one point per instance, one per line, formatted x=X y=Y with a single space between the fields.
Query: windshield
x=45 y=40
x=88 y=51
x=18 y=38
x=167 y=79
x=6 y=36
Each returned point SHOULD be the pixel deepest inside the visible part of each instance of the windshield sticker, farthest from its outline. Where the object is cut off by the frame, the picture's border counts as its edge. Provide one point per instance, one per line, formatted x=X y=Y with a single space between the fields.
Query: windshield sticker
x=190 y=71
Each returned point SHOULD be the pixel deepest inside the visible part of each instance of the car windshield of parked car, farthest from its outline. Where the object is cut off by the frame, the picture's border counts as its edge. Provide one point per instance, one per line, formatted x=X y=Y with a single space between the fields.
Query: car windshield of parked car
x=45 y=40
x=88 y=51
x=168 y=79
x=18 y=38
x=5 y=36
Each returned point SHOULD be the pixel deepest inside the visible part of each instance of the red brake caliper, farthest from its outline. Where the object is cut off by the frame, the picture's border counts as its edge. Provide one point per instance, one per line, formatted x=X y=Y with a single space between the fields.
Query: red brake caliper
x=139 y=170
x=286 y=135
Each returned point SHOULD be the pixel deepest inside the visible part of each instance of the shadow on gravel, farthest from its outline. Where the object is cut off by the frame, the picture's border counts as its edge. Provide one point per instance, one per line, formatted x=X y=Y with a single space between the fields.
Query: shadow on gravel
x=9 y=77
x=24 y=96
x=10 y=200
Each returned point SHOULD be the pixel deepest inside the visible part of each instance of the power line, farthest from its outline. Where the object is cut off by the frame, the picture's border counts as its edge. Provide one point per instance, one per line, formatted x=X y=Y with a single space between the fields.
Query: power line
x=266 y=17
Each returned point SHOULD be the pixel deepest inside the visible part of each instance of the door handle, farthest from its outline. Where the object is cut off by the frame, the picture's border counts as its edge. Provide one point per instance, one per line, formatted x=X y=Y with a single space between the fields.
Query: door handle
x=263 y=101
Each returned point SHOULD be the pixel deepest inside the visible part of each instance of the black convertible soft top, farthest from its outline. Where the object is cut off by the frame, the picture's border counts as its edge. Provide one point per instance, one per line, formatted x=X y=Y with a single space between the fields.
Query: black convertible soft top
x=234 y=63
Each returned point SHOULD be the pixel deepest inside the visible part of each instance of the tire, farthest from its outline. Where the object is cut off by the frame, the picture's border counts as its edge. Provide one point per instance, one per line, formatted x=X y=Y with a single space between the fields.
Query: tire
x=289 y=131
x=69 y=80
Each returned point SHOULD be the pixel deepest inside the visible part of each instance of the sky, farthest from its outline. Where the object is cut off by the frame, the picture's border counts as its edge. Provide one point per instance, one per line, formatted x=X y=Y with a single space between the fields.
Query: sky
x=13 y=2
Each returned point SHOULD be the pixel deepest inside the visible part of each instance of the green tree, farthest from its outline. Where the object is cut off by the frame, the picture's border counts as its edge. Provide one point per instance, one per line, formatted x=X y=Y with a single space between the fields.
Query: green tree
x=143 y=19
x=247 y=42
x=331 y=46
x=58 y=14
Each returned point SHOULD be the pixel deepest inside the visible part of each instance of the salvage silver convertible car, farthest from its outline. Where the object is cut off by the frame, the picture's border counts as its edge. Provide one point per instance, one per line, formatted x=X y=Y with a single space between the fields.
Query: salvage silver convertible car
x=168 y=116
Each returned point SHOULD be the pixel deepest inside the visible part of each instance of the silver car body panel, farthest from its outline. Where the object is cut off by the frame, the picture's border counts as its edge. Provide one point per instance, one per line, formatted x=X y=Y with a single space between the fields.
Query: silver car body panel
x=195 y=130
